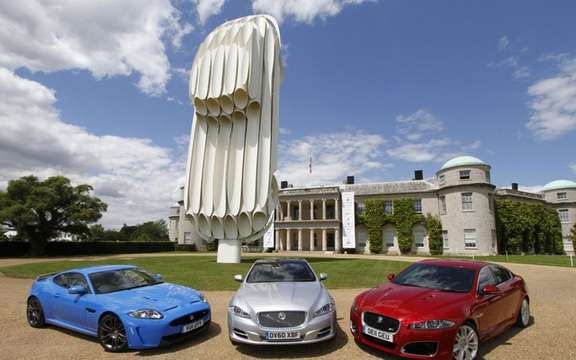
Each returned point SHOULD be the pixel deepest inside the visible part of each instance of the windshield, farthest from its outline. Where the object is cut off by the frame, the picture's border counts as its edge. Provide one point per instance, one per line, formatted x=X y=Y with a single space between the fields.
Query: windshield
x=125 y=279
x=442 y=278
x=281 y=271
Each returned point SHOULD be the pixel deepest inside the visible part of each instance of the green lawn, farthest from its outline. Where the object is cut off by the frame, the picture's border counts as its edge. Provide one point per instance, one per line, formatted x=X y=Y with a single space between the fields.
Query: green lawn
x=203 y=273
x=550 y=260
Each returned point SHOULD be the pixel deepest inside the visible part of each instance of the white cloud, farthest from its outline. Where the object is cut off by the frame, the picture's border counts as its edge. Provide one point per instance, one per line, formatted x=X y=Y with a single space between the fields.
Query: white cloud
x=519 y=71
x=302 y=10
x=553 y=103
x=138 y=180
x=503 y=43
x=334 y=156
x=208 y=8
x=105 y=37
x=420 y=138
x=531 y=188
x=573 y=167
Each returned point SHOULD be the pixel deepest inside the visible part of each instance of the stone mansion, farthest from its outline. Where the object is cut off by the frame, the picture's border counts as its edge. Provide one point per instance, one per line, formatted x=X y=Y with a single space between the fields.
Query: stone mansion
x=460 y=194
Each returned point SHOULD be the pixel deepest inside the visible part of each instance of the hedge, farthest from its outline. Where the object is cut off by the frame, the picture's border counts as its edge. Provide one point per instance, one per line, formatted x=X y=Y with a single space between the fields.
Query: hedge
x=68 y=248
x=186 y=247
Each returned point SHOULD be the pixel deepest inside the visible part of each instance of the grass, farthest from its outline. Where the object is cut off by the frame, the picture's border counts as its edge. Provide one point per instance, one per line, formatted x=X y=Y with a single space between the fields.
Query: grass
x=203 y=273
x=550 y=260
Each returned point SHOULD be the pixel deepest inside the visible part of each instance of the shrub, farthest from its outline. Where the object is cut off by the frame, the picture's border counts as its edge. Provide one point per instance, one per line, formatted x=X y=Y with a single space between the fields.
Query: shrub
x=434 y=227
x=69 y=248
x=14 y=248
x=186 y=247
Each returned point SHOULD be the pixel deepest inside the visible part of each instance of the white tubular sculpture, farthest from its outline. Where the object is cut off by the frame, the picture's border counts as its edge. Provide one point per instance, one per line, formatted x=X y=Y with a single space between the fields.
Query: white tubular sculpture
x=230 y=189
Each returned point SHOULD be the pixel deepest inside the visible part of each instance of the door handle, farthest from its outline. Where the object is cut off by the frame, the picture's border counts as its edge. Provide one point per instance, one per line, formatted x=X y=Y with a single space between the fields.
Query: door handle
x=90 y=310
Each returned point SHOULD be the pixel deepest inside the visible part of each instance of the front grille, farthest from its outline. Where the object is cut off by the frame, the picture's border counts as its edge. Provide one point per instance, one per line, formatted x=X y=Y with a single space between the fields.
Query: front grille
x=186 y=319
x=421 y=348
x=381 y=322
x=281 y=319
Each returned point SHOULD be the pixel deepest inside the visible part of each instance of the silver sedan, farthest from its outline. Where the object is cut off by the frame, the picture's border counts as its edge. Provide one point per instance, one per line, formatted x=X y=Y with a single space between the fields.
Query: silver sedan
x=281 y=302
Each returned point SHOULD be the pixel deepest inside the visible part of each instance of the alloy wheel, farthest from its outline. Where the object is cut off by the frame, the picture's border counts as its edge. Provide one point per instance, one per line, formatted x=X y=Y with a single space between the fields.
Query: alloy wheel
x=34 y=313
x=525 y=312
x=112 y=334
x=466 y=343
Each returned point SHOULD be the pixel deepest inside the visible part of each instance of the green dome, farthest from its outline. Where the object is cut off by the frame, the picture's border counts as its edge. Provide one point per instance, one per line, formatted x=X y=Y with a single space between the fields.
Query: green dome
x=559 y=184
x=462 y=161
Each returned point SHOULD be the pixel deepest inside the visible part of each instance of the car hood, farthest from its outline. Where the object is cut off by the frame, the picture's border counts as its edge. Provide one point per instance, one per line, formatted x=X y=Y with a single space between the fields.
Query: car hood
x=280 y=295
x=406 y=301
x=162 y=297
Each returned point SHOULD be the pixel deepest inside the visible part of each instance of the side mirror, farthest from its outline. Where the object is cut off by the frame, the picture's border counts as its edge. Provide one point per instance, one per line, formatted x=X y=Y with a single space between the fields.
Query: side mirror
x=490 y=290
x=77 y=290
x=391 y=276
x=238 y=278
x=157 y=277
x=323 y=276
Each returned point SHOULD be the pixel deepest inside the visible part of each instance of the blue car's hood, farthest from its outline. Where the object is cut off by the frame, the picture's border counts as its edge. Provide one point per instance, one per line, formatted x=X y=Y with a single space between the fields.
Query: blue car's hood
x=160 y=297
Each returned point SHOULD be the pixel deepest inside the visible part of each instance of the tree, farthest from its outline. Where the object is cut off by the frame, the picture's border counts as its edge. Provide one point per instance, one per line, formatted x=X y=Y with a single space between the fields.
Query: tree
x=151 y=231
x=573 y=236
x=40 y=210
x=434 y=228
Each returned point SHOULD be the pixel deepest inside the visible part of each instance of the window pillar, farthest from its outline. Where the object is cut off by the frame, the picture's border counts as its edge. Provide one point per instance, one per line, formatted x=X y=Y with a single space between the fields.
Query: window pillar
x=324 y=240
x=323 y=209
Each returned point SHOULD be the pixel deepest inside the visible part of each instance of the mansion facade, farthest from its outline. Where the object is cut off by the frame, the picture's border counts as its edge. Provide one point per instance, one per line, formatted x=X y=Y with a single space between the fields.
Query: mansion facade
x=460 y=194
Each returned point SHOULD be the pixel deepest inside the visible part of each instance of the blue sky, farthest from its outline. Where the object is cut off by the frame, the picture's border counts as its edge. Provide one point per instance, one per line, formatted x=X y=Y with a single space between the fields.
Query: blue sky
x=374 y=89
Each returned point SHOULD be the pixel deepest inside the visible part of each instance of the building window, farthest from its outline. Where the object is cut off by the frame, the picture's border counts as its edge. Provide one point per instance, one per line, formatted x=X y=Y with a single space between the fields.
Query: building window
x=417 y=205
x=470 y=238
x=295 y=212
x=445 y=239
x=491 y=203
x=442 y=179
x=360 y=209
x=487 y=176
x=464 y=174
x=563 y=213
x=467 y=201
x=418 y=235
x=562 y=196
x=389 y=237
x=388 y=207
x=442 y=205
x=187 y=238
x=493 y=239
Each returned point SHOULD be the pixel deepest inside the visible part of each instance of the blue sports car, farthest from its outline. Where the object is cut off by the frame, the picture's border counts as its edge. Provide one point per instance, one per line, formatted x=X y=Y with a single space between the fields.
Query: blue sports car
x=123 y=306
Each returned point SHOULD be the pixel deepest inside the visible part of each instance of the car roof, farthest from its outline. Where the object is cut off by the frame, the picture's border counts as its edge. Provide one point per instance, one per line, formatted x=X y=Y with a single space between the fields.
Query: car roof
x=457 y=263
x=280 y=260
x=94 y=269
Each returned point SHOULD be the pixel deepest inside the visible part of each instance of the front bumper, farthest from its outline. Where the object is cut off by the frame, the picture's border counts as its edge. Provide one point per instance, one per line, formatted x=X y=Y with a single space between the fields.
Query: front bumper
x=248 y=331
x=408 y=343
x=145 y=334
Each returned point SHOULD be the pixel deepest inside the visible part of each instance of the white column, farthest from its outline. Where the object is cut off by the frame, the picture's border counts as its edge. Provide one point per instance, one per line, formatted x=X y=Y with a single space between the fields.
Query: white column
x=324 y=240
x=300 y=248
x=277 y=239
x=288 y=240
x=337 y=240
x=299 y=209
x=228 y=252
x=311 y=209
x=323 y=209
x=312 y=247
x=337 y=208
x=289 y=215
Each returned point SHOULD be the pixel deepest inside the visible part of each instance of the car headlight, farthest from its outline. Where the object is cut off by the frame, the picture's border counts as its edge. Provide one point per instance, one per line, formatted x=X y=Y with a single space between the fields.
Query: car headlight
x=432 y=325
x=354 y=307
x=240 y=312
x=326 y=309
x=150 y=314
x=202 y=298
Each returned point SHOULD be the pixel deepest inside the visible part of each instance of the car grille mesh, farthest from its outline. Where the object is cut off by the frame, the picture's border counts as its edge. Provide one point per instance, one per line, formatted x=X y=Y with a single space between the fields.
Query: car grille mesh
x=186 y=319
x=381 y=322
x=281 y=319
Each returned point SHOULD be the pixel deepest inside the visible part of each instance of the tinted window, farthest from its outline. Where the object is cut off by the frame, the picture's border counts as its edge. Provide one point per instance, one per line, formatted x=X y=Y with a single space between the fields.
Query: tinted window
x=117 y=280
x=281 y=271
x=500 y=274
x=485 y=278
x=437 y=277
x=71 y=279
x=61 y=280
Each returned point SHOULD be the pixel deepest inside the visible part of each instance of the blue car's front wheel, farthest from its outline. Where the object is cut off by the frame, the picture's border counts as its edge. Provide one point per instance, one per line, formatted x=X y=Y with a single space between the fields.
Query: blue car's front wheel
x=34 y=313
x=111 y=333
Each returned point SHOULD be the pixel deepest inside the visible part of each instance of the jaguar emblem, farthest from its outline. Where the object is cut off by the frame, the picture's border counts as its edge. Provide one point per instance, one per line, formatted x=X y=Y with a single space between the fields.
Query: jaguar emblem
x=282 y=316
x=380 y=319
x=192 y=317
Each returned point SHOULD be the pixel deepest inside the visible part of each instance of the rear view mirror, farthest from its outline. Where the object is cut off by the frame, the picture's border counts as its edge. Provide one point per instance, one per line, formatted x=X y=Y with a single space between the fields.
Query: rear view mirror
x=158 y=277
x=238 y=278
x=77 y=290
x=490 y=290
x=323 y=276
x=391 y=276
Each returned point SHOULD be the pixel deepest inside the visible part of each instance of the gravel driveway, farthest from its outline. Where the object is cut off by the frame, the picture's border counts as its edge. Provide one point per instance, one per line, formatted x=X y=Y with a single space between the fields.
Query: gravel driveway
x=552 y=335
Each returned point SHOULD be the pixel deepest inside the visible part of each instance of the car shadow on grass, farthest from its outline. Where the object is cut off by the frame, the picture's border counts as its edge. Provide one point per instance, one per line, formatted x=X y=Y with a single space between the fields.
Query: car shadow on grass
x=213 y=331
x=488 y=346
x=296 y=351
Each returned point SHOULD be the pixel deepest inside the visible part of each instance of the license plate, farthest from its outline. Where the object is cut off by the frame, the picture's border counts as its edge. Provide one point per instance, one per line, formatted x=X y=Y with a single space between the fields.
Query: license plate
x=193 y=326
x=283 y=335
x=379 y=334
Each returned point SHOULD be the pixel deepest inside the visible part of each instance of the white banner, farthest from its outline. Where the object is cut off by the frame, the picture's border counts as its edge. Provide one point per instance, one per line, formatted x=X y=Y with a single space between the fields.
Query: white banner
x=268 y=238
x=348 y=221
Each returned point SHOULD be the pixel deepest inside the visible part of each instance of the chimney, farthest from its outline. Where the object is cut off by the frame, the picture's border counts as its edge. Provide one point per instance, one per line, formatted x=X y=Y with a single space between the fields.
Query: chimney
x=283 y=184
x=515 y=186
x=418 y=175
x=349 y=180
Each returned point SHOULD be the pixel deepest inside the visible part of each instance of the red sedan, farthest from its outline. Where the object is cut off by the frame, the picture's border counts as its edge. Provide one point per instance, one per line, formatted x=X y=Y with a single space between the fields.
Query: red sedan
x=440 y=309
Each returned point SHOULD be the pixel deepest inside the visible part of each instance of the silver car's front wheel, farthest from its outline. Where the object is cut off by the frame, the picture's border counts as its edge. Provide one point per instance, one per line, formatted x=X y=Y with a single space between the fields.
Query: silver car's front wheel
x=466 y=343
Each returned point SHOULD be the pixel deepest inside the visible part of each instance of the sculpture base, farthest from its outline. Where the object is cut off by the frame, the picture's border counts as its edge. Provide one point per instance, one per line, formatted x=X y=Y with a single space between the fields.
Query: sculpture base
x=228 y=252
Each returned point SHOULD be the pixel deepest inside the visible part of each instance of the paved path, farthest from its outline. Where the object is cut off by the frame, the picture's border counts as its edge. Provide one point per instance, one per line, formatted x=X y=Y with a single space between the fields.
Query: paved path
x=552 y=336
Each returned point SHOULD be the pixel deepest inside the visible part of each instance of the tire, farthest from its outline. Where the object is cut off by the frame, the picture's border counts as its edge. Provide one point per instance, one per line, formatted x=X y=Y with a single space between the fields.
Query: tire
x=466 y=343
x=112 y=334
x=35 y=313
x=523 y=319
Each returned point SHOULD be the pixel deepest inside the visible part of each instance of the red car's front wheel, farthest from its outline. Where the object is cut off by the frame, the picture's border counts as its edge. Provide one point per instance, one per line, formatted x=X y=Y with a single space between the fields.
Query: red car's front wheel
x=466 y=343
